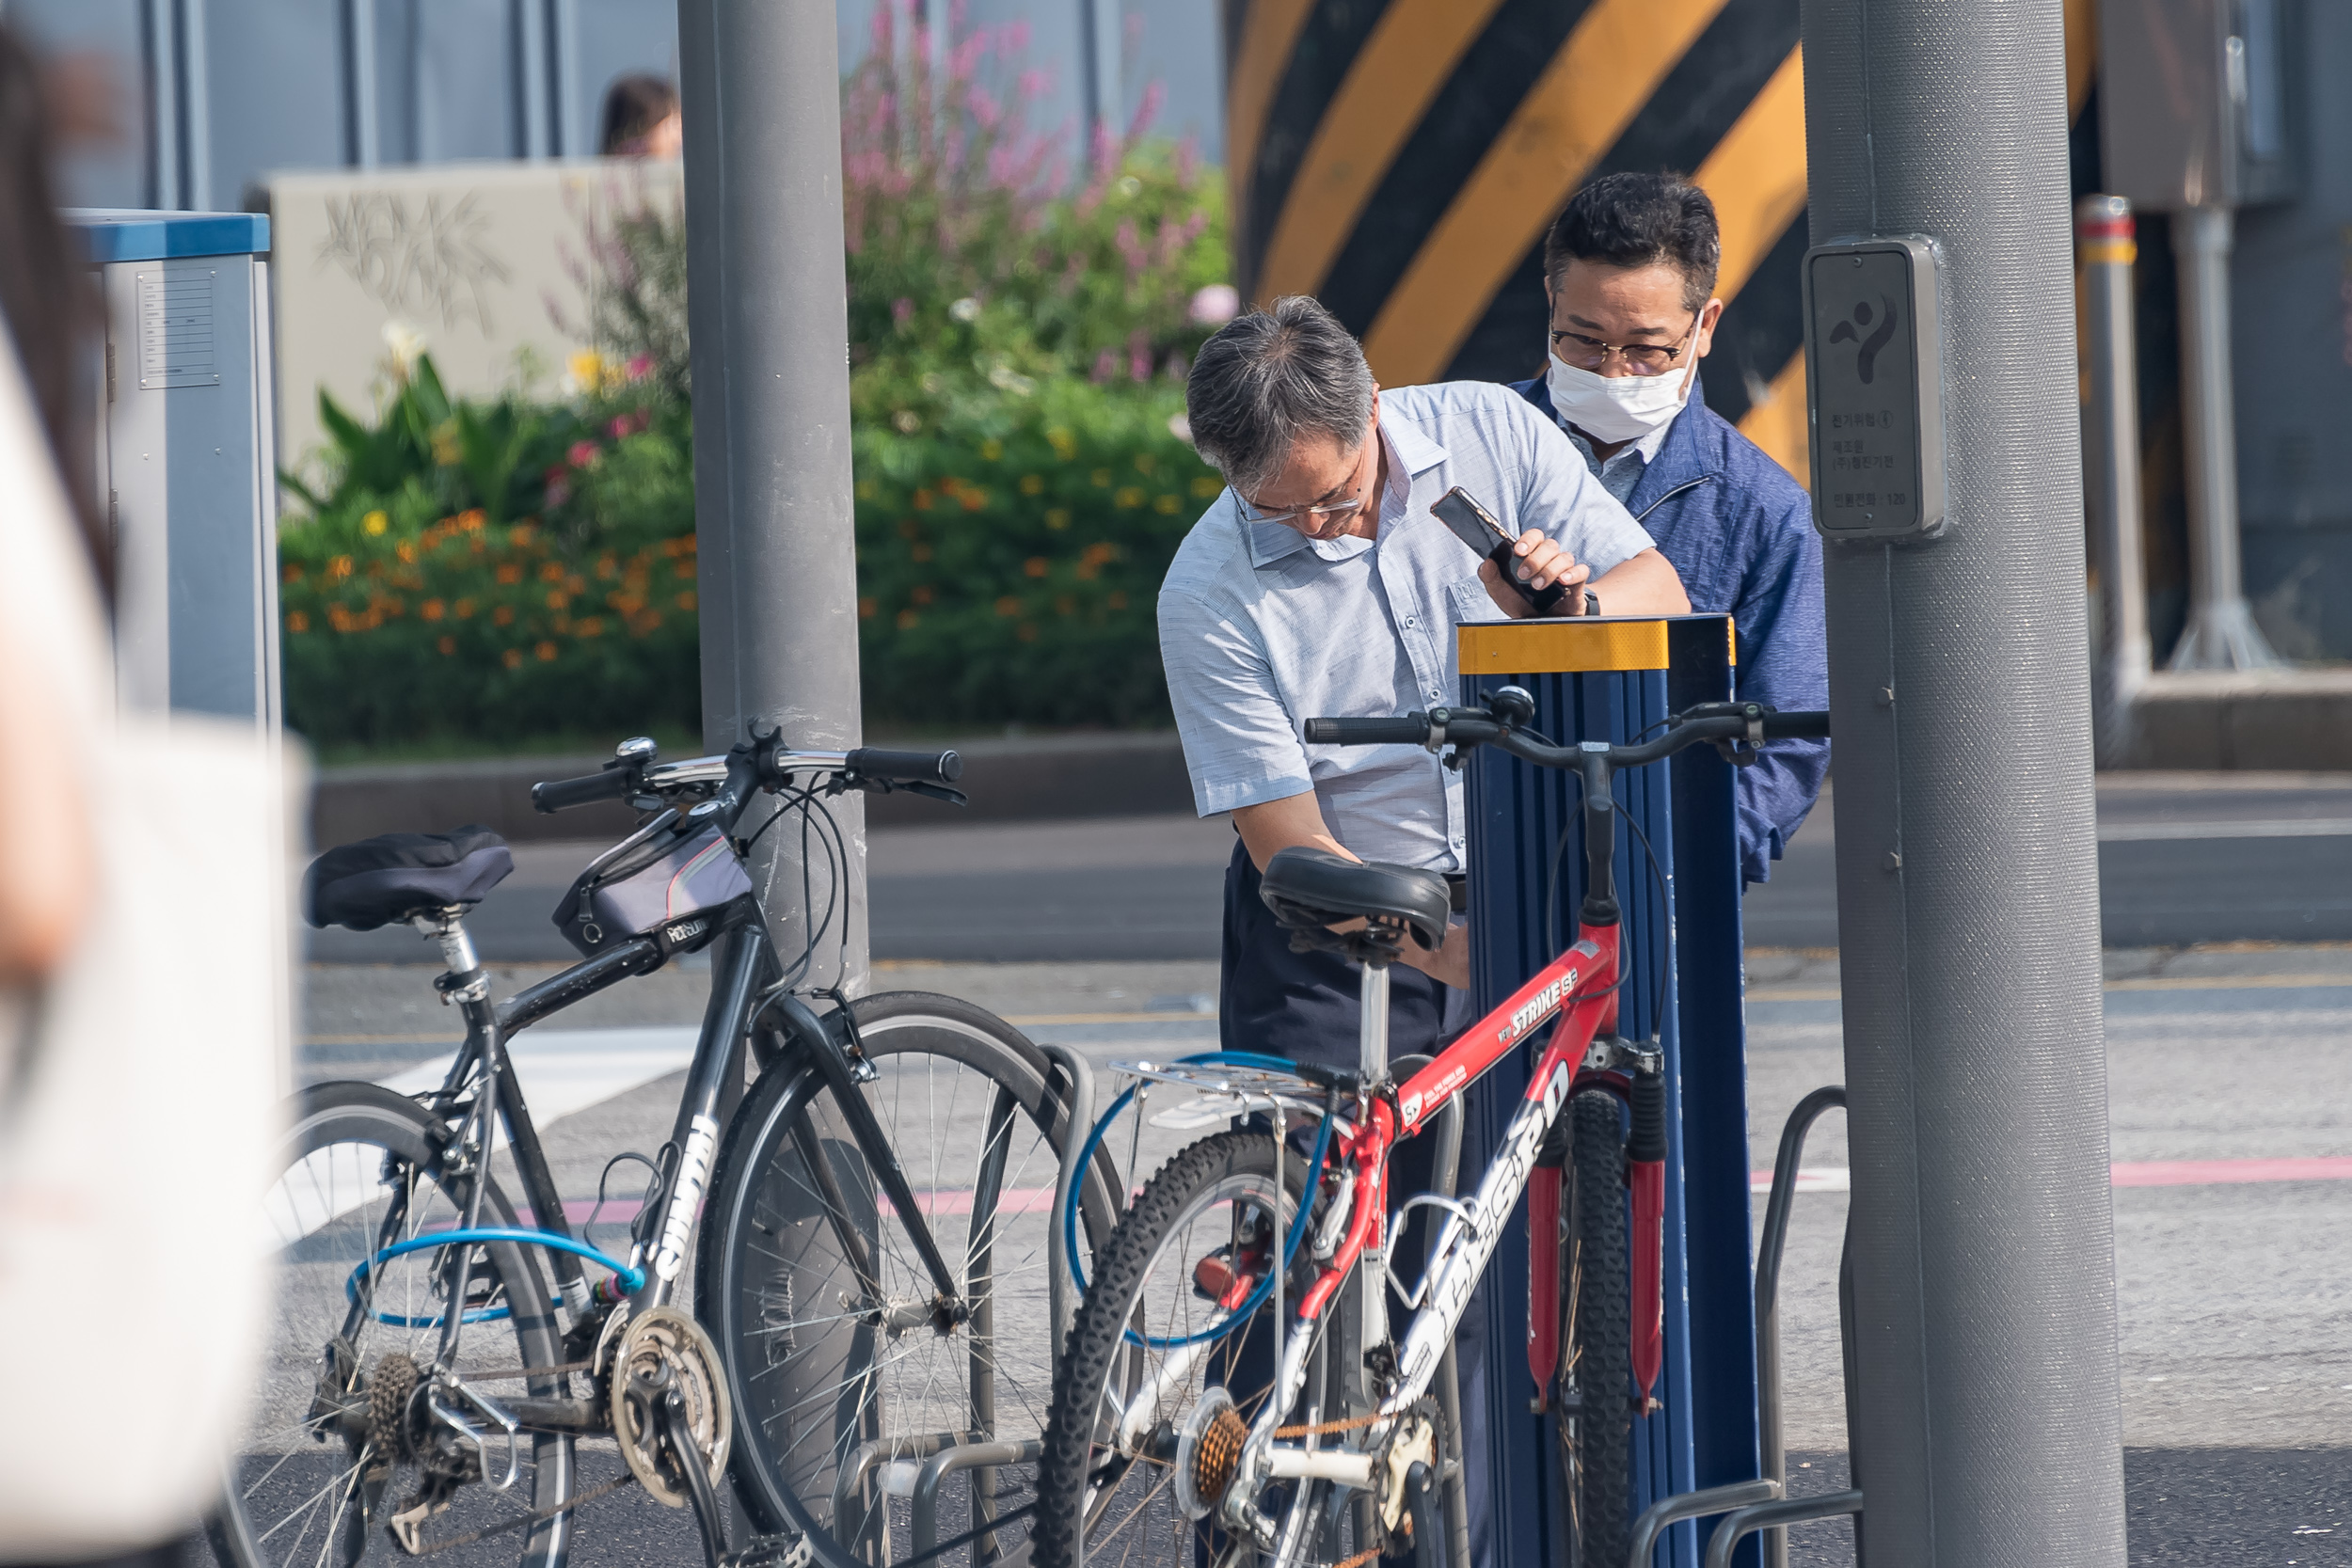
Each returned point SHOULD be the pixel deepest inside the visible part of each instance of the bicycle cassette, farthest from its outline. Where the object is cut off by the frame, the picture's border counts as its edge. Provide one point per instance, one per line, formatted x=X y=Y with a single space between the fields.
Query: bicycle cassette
x=663 y=1348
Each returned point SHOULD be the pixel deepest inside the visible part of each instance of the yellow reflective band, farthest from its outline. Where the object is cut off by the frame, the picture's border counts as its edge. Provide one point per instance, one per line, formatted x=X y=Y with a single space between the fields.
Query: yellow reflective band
x=2121 y=253
x=1550 y=647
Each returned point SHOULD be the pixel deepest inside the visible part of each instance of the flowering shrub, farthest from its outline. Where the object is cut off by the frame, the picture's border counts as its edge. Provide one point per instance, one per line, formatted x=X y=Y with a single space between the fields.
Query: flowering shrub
x=1009 y=560
x=513 y=568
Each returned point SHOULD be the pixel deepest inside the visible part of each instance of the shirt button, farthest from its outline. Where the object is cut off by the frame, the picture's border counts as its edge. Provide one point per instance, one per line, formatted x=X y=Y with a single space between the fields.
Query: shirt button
x=1410 y=623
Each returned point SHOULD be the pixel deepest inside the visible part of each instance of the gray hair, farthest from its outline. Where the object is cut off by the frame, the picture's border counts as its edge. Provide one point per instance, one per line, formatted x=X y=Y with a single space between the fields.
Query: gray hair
x=1269 y=377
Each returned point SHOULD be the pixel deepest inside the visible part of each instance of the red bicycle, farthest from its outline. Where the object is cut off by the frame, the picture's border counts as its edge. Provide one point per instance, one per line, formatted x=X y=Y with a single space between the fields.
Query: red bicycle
x=1237 y=1387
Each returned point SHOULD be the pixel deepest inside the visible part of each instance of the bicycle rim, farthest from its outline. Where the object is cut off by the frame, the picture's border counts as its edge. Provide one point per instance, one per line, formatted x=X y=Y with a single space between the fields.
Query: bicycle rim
x=319 y=1469
x=1131 y=1384
x=846 y=1385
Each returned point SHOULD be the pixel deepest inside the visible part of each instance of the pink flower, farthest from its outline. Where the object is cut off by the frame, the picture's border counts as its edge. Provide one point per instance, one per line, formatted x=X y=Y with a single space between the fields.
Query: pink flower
x=630 y=424
x=902 y=311
x=639 y=367
x=1105 y=367
x=559 y=485
x=1214 y=305
x=583 y=455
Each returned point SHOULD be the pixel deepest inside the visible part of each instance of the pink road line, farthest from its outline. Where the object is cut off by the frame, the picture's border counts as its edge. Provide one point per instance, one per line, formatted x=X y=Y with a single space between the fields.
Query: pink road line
x=2142 y=1173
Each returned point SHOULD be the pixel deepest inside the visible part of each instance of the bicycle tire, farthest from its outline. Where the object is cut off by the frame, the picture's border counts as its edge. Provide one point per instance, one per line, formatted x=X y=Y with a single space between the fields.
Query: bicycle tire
x=1595 y=1433
x=771 y=1238
x=1082 y=1481
x=325 y=1216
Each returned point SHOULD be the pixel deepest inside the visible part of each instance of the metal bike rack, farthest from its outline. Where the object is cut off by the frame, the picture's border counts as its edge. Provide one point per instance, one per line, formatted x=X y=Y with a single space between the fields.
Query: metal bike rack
x=1759 y=1504
x=935 y=1471
x=1774 y=1515
x=1061 y=1279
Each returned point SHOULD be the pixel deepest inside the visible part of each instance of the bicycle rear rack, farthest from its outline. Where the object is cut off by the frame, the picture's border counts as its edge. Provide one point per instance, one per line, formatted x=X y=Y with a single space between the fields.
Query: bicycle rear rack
x=1749 y=1506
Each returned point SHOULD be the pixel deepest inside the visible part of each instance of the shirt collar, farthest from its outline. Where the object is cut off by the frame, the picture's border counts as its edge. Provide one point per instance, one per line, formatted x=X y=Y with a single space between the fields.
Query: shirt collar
x=1412 y=453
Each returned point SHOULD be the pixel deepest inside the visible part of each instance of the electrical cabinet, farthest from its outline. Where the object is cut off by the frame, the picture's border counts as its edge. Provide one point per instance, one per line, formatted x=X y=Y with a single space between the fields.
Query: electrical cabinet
x=2198 y=102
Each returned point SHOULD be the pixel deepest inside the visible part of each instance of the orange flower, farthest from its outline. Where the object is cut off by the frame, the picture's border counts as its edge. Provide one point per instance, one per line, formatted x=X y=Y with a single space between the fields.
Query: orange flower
x=973 y=499
x=867 y=607
x=922 y=593
x=503 y=615
x=432 y=609
x=339 y=568
x=510 y=574
x=557 y=598
x=292 y=572
x=923 y=500
x=592 y=626
x=1026 y=631
x=1009 y=606
x=551 y=571
x=546 y=652
x=473 y=517
x=296 y=621
x=1117 y=601
x=686 y=600
x=465 y=609
x=1037 y=566
x=448 y=645
x=908 y=619
x=514 y=658
x=919 y=552
x=406 y=549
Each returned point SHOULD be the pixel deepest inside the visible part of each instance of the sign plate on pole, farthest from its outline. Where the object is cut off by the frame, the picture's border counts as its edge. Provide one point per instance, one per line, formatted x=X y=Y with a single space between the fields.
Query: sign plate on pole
x=1874 y=371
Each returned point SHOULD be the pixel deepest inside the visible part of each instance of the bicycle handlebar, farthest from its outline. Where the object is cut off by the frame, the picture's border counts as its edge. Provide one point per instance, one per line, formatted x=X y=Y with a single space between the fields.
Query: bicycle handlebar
x=613 y=784
x=1412 y=729
x=925 y=767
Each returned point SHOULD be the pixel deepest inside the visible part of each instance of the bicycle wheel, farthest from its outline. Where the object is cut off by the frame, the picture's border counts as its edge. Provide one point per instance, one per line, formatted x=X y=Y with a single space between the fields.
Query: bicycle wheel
x=1135 y=1403
x=844 y=1383
x=340 y=1440
x=1596 y=1425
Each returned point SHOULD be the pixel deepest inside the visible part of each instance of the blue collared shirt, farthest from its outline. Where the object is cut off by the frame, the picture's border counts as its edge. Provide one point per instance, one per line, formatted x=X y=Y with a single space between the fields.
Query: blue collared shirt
x=1740 y=533
x=1261 y=628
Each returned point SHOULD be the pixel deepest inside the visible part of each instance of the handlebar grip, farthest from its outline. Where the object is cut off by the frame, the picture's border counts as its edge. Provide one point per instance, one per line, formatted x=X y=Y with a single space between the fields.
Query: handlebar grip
x=1803 y=725
x=928 y=767
x=563 y=794
x=1410 y=730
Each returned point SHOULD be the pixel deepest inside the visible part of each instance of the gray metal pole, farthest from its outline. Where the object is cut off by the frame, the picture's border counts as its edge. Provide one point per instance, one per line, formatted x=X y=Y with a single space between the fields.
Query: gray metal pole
x=2220 y=634
x=1982 y=1225
x=2106 y=250
x=760 y=89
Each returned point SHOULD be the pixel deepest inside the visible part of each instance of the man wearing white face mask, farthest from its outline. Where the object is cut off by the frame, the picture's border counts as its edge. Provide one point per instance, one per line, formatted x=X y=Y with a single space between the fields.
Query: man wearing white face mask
x=1630 y=276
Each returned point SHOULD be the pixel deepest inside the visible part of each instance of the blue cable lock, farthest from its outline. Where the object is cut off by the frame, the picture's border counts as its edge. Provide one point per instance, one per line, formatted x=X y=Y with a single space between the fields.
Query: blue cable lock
x=632 y=1280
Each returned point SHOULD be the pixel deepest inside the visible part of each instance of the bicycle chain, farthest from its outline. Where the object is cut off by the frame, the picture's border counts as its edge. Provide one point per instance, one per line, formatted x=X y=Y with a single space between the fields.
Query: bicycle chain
x=603 y=1489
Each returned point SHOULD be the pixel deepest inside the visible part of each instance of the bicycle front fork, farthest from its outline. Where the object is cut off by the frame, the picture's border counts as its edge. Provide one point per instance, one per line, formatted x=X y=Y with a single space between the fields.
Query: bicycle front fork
x=1644 y=1091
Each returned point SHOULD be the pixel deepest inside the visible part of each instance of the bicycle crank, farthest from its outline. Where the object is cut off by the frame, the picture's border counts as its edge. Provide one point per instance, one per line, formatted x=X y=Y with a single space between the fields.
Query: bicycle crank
x=665 y=1352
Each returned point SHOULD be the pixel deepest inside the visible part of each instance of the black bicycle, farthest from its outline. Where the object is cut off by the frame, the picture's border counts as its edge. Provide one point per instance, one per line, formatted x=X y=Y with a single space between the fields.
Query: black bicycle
x=868 y=1349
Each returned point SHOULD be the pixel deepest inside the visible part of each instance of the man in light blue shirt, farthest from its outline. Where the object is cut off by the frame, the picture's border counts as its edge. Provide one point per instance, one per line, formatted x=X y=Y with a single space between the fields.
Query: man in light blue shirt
x=1320 y=584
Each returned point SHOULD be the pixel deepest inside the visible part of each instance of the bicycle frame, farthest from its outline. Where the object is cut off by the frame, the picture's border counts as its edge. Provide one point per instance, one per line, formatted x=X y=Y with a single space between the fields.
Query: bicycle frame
x=740 y=1011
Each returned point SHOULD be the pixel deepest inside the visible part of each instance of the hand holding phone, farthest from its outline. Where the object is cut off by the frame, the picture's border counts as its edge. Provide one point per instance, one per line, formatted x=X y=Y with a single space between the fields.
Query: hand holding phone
x=1474 y=525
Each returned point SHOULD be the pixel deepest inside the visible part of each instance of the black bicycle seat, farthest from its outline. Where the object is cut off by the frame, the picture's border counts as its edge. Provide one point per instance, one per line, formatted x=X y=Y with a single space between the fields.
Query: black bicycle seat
x=392 y=876
x=1309 y=890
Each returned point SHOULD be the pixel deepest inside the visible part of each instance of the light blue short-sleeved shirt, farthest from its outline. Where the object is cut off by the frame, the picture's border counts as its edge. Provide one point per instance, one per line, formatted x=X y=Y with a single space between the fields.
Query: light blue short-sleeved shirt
x=1262 y=628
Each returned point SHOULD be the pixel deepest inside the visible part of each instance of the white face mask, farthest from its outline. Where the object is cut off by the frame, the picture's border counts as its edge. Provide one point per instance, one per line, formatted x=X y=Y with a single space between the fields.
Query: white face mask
x=1612 y=409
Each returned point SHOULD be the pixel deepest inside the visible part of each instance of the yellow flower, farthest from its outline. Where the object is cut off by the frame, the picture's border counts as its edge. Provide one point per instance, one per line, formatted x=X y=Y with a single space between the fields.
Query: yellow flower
x=866 y=489
x=1101 y=478
x=1167 y=503
x=445 y=451
x=376 y=522
x=1032 y=484
x=1058 y=517
x=1143 y=462
x=992 y=449
x=1064 y=444
x=587 y=368
x=1127 y=498
x=1205 y=486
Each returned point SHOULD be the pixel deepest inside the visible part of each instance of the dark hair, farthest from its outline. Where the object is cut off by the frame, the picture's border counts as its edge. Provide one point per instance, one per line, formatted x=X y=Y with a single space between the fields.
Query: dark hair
x=1268 y=378
x=47 y=294
x=1639 y=220
x=634 y=105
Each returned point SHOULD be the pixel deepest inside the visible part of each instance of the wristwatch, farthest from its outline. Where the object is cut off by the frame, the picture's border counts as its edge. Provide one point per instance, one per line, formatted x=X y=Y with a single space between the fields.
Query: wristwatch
x=1592 y=602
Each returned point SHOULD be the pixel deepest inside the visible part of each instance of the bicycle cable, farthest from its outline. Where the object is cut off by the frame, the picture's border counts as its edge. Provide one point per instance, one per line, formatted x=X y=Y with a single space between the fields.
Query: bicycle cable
x=1658 y=876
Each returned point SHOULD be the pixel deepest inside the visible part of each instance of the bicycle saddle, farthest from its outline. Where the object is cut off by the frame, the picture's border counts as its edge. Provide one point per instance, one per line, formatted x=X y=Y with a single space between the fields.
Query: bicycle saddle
x=392 y=876
x=1309 y=890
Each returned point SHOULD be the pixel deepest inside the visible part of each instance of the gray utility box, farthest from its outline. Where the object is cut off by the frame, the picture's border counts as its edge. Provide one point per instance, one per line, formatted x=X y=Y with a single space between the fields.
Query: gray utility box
x=2198 y=102
x=185 y=462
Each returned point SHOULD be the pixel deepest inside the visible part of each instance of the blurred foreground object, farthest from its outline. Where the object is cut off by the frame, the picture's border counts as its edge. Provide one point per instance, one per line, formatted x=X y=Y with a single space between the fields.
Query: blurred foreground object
x=141 y=1076
x=640 y=119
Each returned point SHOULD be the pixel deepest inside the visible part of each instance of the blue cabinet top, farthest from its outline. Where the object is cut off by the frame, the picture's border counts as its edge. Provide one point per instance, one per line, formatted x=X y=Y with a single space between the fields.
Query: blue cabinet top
x=132 y=235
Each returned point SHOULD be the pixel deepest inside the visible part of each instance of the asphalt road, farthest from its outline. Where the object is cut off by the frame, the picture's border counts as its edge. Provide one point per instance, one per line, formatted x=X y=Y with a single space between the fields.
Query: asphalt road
x=2183 y=859
x=2236 y=1344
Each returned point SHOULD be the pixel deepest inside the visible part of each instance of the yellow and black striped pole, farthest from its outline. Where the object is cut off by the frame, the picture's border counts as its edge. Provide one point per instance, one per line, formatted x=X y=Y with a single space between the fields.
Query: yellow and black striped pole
x=1401 y=159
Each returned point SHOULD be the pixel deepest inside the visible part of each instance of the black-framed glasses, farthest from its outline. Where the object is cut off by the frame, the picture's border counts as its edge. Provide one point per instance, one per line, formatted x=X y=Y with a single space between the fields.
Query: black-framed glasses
x=1591 y=354
x=1317 y=515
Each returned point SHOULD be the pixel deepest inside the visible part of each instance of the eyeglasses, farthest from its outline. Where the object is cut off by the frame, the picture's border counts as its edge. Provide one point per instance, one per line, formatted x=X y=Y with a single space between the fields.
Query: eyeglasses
x=1316 y=516
x=1591 y=354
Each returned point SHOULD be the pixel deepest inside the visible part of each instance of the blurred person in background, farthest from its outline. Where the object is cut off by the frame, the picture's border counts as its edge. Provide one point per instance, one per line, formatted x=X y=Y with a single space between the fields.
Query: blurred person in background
x=640 y=119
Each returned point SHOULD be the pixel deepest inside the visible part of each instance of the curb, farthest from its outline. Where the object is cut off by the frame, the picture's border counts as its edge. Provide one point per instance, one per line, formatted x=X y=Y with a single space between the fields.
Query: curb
x=1008 y=780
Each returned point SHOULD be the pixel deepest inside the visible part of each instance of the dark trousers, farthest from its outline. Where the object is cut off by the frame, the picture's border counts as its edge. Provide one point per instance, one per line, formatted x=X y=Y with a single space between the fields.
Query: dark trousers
x=1306 y=1008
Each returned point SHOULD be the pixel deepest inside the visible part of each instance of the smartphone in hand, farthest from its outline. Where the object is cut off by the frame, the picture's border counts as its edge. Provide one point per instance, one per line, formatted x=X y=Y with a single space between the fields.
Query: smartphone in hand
x=1476 y=527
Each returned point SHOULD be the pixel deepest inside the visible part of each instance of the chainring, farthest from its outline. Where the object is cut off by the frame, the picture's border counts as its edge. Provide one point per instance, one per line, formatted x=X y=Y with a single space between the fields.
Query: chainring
x=664 y=1336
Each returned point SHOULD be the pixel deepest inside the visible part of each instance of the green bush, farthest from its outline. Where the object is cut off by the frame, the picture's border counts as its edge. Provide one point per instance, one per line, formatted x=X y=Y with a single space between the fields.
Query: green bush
x=513 y=567
x=1009 y=557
